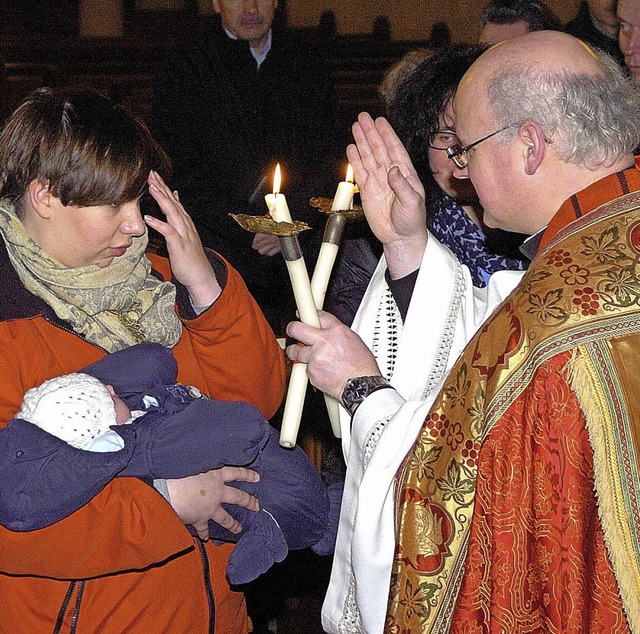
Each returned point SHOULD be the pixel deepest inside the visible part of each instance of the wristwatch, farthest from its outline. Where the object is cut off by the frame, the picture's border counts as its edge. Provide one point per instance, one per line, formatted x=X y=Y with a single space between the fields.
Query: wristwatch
x=358 y=388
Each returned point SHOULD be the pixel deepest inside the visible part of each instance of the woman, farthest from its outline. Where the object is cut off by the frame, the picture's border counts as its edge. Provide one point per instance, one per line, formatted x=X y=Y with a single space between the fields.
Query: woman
x=418 y=92
x=78 y=285
x=418 y=96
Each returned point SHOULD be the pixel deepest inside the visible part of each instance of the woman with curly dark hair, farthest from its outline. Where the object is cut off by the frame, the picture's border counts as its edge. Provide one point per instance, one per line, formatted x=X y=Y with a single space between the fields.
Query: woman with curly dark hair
x=418 y=92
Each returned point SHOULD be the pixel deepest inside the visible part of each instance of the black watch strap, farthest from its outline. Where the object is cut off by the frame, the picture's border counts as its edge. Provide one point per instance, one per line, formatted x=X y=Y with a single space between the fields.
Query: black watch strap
x=357 y=389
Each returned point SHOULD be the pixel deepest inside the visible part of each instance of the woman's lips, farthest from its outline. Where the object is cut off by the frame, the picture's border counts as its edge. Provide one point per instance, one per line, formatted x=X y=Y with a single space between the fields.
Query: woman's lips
x=118 y=251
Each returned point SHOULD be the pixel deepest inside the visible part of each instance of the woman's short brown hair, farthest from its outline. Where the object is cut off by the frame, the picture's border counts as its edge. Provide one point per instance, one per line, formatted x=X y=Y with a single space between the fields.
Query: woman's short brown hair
x=89 y=149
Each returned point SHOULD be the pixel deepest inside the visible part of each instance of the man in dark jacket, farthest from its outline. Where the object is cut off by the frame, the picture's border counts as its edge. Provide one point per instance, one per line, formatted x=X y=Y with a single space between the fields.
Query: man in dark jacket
x=228 y=107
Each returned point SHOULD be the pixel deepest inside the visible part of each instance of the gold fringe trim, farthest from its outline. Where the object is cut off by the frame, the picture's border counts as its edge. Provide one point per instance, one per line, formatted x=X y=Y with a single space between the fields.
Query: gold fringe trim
x=583 y=378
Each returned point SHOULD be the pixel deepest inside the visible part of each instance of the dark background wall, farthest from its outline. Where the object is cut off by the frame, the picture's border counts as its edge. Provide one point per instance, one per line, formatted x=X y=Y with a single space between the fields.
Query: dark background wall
x=113 y=45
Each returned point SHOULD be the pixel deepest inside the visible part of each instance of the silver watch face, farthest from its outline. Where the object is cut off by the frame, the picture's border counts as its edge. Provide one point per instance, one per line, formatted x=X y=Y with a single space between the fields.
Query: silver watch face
x=358 y=388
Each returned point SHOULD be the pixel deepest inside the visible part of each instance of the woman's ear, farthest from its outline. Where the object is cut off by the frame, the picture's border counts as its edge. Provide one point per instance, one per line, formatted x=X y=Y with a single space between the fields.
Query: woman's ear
x=533 y=137
x=40 y=197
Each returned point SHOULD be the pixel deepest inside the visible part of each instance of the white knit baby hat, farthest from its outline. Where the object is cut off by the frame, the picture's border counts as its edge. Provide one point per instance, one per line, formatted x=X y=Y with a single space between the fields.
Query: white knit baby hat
x=74 y=407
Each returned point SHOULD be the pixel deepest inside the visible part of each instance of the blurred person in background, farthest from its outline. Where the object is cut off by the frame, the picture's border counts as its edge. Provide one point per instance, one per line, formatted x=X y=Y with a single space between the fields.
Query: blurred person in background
x=228 y=106
x=629 y=36
x=504 y=19
x=597 y=24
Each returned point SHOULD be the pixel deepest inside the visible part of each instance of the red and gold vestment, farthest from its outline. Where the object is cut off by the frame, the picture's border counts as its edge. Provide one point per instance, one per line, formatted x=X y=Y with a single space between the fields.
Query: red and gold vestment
x=518 y=505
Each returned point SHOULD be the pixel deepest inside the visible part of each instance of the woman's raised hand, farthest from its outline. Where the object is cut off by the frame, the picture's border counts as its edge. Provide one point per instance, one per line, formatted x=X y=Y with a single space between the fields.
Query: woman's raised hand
x=189 y=262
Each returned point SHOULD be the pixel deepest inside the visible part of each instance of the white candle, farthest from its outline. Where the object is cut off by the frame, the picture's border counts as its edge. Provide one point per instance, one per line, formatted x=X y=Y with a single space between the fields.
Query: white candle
x=299 y=379
x=322 y=272
x=276 y=202
x=293 y=406
x=342 y=201
x=302 y=292
x=278 y=207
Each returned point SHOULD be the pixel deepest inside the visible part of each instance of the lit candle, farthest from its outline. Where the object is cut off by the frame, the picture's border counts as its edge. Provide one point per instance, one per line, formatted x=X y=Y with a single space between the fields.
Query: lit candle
x=276 y=202
x=305 y=304
x=342 y=201
x=279 y=210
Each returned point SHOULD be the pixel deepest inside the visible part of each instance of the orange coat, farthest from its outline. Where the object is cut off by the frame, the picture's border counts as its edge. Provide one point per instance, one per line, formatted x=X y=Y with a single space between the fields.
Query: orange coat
x=142 y=570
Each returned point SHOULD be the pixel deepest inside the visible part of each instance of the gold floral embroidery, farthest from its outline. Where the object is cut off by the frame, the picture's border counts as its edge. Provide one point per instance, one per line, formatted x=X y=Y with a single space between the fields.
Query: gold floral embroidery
x=455 y=486
x=457 y=392
x=547 y=309
x=604 y=248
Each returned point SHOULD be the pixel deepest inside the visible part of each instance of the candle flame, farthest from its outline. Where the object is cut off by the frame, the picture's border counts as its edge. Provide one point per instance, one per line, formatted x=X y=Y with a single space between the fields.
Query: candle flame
x=276 y=180
x=349 y=177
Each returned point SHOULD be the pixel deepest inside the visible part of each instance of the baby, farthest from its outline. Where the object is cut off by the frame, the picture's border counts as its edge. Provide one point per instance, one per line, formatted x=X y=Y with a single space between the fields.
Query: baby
x=129 y=407
x=80 y=410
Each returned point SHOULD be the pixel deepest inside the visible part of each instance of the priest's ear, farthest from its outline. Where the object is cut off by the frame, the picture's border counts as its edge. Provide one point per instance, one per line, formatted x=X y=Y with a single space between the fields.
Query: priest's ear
x=535 y=142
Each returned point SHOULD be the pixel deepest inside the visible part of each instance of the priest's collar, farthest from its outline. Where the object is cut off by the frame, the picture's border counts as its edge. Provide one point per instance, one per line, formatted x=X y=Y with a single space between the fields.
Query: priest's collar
x=530 y=246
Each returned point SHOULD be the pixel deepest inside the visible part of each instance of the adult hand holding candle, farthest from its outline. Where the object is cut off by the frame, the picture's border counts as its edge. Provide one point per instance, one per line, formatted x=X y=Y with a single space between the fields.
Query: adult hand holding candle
x=342 y=201
x=297 y=269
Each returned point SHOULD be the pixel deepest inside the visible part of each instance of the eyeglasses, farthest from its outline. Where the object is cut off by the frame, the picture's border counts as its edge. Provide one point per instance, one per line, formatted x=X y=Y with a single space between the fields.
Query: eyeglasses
x=457 y=151
x=442 y=140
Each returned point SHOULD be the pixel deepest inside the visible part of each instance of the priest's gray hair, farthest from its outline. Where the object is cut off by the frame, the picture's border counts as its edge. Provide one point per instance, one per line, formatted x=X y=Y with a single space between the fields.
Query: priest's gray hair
x=592 y=120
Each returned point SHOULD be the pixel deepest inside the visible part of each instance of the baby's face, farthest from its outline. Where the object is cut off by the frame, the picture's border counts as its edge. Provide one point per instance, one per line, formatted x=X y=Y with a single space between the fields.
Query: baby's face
x=123 y=413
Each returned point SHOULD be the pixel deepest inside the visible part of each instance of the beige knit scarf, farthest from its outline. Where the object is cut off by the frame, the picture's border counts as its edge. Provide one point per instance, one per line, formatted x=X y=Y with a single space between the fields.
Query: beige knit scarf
x=113 y=307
